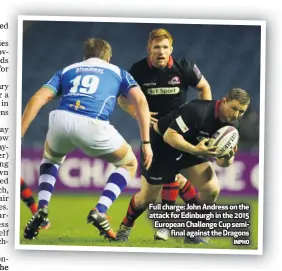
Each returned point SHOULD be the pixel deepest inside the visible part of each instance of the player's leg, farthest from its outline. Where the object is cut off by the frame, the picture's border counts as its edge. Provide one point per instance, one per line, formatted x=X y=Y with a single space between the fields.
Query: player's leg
x=169 y=195
x=185 y=190
x=137 y=206
x=27 y=197
x=170 y=192
x=162 y=170
x=56 y=146
x=208 y=188
x=126 y=166
x=48 y=172
x=205 y=181
x=102 y=140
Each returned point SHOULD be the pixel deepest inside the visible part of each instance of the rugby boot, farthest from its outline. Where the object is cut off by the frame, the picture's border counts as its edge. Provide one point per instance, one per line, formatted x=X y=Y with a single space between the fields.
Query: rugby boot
x=101 y=222
x=123 y=233
x=45 y=225
x=33 y=226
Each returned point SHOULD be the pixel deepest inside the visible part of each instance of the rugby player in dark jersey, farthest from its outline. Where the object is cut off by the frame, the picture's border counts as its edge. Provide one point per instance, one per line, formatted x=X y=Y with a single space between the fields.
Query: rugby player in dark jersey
x=165 y=81
x=185 y=131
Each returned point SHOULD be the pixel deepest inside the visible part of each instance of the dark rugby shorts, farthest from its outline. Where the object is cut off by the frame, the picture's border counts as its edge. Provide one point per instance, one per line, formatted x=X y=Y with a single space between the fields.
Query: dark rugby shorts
x=164 y=165
x=188 y=160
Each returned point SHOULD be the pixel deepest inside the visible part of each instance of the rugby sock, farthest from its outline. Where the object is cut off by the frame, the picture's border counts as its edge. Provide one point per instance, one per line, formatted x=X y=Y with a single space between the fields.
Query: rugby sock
x=27 y=197
x=115 y=185
x=47 y=180
x=188 y=193
x=170 y=192
x=133 y=212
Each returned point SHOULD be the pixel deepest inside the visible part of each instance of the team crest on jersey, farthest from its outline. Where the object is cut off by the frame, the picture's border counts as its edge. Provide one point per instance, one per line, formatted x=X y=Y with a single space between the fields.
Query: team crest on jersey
x=174 y=81
x=77 y=105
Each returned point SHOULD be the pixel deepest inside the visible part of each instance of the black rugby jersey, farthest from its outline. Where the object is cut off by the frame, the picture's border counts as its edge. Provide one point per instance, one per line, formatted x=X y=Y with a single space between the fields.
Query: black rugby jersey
x=166 y=88
x=194 y=120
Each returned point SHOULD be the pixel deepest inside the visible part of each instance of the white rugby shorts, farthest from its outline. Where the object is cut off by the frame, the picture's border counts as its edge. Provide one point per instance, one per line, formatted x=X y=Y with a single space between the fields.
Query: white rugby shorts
x=68 y=131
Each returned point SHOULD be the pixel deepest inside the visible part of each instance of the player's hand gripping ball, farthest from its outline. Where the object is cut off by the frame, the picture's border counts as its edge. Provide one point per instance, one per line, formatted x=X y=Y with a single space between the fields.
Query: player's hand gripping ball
x=226 y=140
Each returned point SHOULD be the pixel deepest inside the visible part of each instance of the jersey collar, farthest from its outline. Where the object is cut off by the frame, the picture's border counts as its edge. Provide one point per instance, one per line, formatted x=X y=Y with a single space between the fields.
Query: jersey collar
x=169 y=63
x=216 y=109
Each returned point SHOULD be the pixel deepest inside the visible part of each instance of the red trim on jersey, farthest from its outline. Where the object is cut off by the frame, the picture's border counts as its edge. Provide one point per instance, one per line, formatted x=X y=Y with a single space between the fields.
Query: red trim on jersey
x=216 y=110
x=169 y=63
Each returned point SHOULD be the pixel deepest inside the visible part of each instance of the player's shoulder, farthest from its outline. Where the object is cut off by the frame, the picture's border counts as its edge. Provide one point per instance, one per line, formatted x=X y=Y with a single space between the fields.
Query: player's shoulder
x=201 y=102
x=183 y=62
x=199 y=107
x=91 y=64
x=71 y=66
x=139 y=65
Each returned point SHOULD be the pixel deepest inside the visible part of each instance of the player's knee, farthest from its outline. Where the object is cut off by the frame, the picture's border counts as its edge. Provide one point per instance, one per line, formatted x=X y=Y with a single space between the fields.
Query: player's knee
x=131 y=166
x=181 y=180
x=52 y=156
x=129 y=162
x=212 y=194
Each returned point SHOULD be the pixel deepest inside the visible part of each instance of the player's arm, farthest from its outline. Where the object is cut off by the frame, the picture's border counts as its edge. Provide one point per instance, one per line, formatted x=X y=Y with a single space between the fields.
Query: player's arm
x=123 y=101
x=126 y=106
x=43 y=96
x=139 y=106
x=177 y=141
x=196 y=79
x=138 y=100
x=204 y=89
x=136 y=72
x=129 y=108
x=186 y=122
x=133 y=101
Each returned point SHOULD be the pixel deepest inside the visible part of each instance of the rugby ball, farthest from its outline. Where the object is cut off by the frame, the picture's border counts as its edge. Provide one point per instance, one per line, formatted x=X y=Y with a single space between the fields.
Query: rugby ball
x=226 y=138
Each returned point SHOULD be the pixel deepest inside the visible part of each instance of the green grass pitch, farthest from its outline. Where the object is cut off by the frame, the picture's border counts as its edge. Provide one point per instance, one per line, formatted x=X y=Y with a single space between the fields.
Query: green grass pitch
x=67 y=214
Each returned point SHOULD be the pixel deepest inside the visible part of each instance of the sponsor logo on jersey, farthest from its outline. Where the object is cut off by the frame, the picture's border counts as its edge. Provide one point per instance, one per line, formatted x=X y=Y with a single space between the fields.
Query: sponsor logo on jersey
x=149 y=84
x=174 y=81
x=89 y=69
x=182 y=125
x=163 y=91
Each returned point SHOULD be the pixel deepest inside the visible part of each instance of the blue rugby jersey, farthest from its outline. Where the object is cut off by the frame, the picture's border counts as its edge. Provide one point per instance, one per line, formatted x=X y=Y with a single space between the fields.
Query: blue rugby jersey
x=91 y=87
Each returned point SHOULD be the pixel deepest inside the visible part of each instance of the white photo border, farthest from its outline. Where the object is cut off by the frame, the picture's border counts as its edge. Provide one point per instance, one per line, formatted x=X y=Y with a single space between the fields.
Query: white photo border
x=261 y=23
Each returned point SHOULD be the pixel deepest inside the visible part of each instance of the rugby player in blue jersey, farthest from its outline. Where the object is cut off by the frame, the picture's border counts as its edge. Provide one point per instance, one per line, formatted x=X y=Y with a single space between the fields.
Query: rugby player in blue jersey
x=88 y=91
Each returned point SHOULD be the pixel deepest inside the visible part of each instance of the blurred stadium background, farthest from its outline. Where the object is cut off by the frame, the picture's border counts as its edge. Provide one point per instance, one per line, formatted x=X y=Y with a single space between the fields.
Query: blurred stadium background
x=228 y=56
